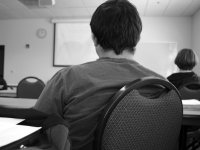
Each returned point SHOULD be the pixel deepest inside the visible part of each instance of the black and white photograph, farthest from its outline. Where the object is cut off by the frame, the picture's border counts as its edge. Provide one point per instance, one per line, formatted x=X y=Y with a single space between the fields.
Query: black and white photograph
x=99 y=75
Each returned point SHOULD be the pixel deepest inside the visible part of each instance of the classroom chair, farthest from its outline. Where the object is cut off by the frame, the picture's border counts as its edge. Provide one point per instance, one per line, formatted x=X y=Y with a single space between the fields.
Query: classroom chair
x=145 y=114
x=30 y=87
x=190 y=91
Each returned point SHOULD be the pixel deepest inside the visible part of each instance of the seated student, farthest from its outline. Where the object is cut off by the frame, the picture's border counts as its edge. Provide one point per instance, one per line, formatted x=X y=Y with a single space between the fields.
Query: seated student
x=3 y=84
x=79 y=93
x=186 y=60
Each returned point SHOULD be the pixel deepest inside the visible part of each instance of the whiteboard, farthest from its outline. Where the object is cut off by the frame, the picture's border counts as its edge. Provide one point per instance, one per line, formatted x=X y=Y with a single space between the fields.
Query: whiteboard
x=74 y=45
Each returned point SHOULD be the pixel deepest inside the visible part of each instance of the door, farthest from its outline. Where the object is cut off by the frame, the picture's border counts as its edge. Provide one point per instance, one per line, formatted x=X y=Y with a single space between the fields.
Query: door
x=2 y=60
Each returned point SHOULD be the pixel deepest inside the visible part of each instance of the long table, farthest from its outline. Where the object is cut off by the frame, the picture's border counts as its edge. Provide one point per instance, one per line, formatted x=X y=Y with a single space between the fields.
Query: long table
x=10 y=92
x=191 y=111
x=14 y=135
x=17 y=102
x=191 y=117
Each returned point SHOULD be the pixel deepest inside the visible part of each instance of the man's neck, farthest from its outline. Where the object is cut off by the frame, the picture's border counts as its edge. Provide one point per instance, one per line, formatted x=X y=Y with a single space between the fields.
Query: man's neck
x=185 y=70
x=111 y=54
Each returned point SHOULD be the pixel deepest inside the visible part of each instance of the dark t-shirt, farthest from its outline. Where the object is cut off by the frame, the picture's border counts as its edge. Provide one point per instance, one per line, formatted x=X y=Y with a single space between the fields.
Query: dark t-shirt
x=79 y=93
x=181 y=78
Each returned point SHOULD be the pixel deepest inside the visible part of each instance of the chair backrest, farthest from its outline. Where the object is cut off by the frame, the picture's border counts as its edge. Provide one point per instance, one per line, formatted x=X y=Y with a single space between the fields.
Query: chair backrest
x=190 y=91
x=30 y=87
x=138 y=118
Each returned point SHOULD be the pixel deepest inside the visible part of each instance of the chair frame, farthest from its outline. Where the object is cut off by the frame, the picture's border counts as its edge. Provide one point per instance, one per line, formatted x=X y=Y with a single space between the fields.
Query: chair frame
x=138 y=83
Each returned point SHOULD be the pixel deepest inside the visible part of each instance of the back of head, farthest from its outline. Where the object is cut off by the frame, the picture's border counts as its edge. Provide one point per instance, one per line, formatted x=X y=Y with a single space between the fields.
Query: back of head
x=116 y=25
x=186 y=59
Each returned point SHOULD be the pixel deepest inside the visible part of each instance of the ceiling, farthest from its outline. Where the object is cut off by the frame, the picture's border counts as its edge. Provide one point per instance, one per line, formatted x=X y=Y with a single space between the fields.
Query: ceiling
x=14 y=9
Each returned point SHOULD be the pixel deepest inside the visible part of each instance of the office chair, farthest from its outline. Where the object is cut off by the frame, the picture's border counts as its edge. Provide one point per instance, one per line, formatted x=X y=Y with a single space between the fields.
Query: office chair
x=30 y=87
x=144 y=115
x=190 y=91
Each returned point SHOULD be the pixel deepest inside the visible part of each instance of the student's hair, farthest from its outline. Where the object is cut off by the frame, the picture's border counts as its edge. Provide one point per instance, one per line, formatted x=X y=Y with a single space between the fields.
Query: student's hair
x=116 y=25
x=186 y=59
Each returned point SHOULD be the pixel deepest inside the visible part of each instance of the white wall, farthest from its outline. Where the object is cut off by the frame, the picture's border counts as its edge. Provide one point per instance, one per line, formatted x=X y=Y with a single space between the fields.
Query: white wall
x=38 y=59
x=21 y=61
x=168 y=29
x=196 y=38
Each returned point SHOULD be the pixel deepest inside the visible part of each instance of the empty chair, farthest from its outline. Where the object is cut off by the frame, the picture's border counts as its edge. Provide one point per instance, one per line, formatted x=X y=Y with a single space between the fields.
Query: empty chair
x=190 y=91
x=144 y=115
x=30 y=87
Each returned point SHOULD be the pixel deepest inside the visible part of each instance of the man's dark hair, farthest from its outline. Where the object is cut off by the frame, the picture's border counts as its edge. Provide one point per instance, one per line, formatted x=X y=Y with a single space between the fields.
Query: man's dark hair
x=116 y=24
x=186 y=59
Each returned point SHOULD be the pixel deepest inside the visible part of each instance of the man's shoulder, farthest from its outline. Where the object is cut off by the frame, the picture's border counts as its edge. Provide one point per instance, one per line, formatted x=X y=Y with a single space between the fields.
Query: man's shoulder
x=78 y=68
x=150 y=72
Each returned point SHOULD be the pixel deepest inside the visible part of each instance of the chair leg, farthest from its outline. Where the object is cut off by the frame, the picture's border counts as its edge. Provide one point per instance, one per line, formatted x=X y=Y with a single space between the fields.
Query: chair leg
x=183 y=138
x=194 y=145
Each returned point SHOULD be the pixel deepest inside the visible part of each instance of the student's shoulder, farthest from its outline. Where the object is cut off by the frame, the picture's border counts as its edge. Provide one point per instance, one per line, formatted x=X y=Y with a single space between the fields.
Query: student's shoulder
x=174 y=75
x=148 y=71
x=83 y=66
x=77 y=68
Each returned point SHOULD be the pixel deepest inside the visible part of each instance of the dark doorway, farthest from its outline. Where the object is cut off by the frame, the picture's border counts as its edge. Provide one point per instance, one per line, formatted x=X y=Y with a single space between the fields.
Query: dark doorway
x=2 y=60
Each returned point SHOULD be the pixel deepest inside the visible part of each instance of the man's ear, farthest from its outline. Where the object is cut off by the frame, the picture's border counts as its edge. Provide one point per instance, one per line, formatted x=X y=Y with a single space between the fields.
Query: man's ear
x=94 y=40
